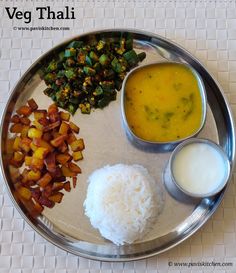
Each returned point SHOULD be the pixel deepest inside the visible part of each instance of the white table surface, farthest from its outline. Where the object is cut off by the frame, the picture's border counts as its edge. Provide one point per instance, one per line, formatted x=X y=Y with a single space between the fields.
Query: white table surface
x=208 y=30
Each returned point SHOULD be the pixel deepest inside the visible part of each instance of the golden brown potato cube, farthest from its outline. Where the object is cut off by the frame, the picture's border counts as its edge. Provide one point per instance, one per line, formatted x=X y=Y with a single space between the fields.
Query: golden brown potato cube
x=18 y=156
x=25 y=144
x=15 y=119
x=43 y=121
x=32 y=104
x=44 y=180
x=16 y=128
x=57 y=186
x=24 y=132
x=28 y=160
x=33 y=147
x=63 y=148
x=64 y=128
x=74 y=168
x=74 y=127
x=24 y=192
x=24 y=176
x=38 y=125
x=67 y=186
x=74 y=181
x=16 y=143
x=24 y=111
x=41 y=152
x=56 y=197
x=65 y=116
x=47 y=137
x=77 y=156
x=63 y=158
x=35 y=133
x=77 y=145
x=36 y=164
x=25 y=120
x=50 y=162
x=38 y=207
x=33 y=175
x=52 y=109
x=15 y=163
x=58 y=141
x=67 y=172
x=52 y=126
x=38 y=114
x=42 y=143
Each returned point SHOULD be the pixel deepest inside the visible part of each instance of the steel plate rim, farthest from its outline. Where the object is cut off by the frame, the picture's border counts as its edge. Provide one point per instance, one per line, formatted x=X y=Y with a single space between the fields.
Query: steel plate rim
x=142 y=256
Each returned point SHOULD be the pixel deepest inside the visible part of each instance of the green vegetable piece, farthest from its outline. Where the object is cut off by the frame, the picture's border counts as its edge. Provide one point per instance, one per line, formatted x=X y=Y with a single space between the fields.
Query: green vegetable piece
x=70 y=62
x=93 y=56
x=85 y=108
x=70 y=52
x=98 y=91
x=104 y=60
x=48 y=91
x=50 y=77
x=97 y=67
x=72 y=108
x=131 y=57
x=107 y=85
x=75 y=44
x=116 y=66
x=101 y=44
x=70 y=74
x=118 y=84
x=52 y=66
x=103 y=102
x=88 y=61
x=129 y=43
x=141 y=56
x=89 y=71
x=62 y=56
x=74 y=100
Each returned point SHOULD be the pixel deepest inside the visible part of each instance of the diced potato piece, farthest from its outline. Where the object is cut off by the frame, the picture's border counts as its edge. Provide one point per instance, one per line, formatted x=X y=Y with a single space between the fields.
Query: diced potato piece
x=44 y=201
x=32 y=104
x=36 y=164
x=67 y=186
x=15 y=163
x=25 y=176
x=42 y=143
x=77 y=145
x=56 y=197
x=24 y=132
x=33 y=147
x=50 y=162
x=65 y=116
x=77 y=155
x=64 y=128
x=74 y=127
x=35 y=133
x=74 y=168
x=38 y=114
x=54 y=117
x=25 y=144
x=57 y=174
x=52 y=126
x=24 y=192
x=28 y=160
x=16 y=143
x=34 y=175
x=38 y=207
x=44 y=180
x=18 y=156
x=36 y=193
x=25 y=120
x=74 y=181
x=16 y=128
x=63 y=148
x=47 y=137
x=38 y=125
x=58 y=141
x=24 y=111
x=15 y=119
x=57 y=186
x=43 y=121
x=41 y=152
x=52 y=109
x=67 y=172
x=63 y=158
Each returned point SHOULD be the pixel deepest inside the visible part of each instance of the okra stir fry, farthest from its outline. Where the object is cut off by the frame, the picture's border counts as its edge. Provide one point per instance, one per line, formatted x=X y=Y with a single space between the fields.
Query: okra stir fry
x=88 y=75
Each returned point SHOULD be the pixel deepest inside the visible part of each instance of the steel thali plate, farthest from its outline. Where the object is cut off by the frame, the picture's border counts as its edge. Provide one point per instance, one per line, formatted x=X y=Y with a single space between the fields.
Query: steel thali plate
x=106 y=143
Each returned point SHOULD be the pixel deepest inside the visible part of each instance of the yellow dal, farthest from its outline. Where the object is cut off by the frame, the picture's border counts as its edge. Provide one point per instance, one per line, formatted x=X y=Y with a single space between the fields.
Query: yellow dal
x=163 y=102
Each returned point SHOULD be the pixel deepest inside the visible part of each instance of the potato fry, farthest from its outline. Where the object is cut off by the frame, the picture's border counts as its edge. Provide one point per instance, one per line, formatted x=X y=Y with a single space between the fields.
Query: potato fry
x=65 y=116
x=63 y=128
x=35 y=133
x=74 y=127
x=16 y=128
x=63 y=158
x=58 y=141
x=24 y=111
x=15 y=119
x=32 y=104
x=44 y=180
x=77 y=145
x=57 y=197
x=77 y=156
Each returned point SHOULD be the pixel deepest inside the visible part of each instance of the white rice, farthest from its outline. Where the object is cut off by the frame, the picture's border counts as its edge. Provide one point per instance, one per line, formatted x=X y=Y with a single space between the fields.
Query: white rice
x=122 y=202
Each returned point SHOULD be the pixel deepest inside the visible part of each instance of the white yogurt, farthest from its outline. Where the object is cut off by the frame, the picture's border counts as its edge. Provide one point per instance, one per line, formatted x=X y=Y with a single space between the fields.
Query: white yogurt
x=199 y=168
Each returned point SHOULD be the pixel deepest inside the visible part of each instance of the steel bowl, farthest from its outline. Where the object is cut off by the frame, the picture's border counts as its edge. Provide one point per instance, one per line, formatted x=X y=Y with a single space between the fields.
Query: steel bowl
x=156 y=145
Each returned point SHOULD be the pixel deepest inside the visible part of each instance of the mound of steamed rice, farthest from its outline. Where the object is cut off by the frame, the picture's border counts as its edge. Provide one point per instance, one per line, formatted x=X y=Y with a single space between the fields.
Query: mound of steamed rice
x=122 y=202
